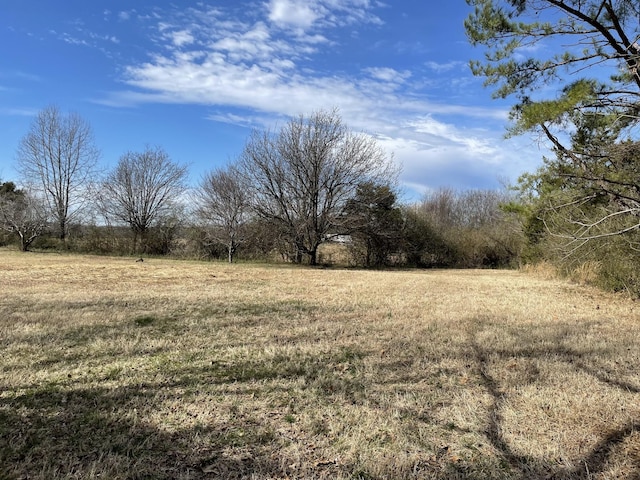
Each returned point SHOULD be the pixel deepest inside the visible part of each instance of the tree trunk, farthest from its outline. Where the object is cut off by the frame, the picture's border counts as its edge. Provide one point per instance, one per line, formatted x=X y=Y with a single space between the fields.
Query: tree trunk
x=24 y=244
x=134 y=245
x=367 y=259
x=62 y=225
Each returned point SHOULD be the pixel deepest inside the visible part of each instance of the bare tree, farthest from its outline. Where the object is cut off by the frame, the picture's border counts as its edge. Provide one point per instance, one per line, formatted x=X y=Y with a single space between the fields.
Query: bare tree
x=22 y=213
x=475 y=225
x=59 y=154
x=302 y=176
x=141 y=190
x=223 y=202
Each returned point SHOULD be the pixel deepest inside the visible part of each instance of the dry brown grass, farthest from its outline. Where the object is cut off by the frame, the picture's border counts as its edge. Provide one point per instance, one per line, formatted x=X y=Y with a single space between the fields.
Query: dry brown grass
x=179 y=370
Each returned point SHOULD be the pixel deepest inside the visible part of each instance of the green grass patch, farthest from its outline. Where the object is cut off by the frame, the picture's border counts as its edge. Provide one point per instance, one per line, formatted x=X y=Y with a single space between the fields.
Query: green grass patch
x=145 y=320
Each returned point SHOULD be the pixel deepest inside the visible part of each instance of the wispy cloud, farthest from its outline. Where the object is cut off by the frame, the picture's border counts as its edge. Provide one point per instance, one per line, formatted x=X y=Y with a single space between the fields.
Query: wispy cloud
x=20 y=75
x=446 y=67
x=321 y=13
x=70 y=38
x=386 y=74
x=262 y=66
x=79 y=35
x=182 y=38
x=19 y=112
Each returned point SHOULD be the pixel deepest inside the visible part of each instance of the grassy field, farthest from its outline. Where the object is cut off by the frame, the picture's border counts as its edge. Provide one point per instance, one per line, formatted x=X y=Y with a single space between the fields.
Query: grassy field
x=112 y=368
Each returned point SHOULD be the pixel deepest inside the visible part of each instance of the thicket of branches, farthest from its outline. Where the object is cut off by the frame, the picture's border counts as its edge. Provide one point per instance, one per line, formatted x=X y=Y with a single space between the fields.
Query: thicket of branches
x=573 y=69
x=312 y=191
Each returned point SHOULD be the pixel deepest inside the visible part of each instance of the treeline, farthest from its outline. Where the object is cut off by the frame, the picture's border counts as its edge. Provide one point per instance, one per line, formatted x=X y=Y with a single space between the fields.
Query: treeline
x=432 y=233
x=311 y=192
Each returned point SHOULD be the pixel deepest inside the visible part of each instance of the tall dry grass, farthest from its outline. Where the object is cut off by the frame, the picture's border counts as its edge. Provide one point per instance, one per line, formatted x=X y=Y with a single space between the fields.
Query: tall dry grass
x=182 y=370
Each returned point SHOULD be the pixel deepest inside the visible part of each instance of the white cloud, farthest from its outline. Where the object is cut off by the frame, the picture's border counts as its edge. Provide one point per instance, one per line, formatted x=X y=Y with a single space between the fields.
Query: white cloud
x=386 y=74
x=264 y=72
x=301 y=16
x=296 y=13
x=217 y=61
x=253 y=44
x=350 y=12
x=83 y=36
x=72 y=40
x=181 y=38
x=445 y=67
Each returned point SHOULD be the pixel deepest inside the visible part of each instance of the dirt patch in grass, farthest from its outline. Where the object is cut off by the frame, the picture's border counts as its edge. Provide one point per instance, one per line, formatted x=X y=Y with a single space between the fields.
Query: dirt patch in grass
x=187 y=370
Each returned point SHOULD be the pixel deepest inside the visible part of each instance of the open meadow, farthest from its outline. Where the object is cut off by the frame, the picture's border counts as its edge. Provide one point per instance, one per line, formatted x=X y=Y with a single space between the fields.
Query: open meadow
x=117 y=369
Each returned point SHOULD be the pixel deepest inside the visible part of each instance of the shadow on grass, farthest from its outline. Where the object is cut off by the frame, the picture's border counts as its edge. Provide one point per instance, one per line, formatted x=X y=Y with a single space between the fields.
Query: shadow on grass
x=75 y=430
x=72 y=430
x=596 y=461
x=96 y=433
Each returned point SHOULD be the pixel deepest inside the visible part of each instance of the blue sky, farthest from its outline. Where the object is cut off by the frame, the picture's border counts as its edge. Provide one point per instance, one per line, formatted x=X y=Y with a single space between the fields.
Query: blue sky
x=195 y=77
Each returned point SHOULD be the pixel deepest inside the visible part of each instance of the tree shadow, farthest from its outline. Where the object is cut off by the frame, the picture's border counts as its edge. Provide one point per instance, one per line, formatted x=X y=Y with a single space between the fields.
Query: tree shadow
x=596 y=460
x=95 y=432
x=72 y=430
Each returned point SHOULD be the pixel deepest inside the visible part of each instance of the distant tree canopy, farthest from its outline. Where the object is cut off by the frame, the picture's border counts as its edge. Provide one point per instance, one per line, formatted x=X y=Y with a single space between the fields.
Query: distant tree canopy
x=9 y=190
x=21 y=213
x=375 y=223
x=588 y=53
x=290 y=191
x=302 y=176
x=469 y=229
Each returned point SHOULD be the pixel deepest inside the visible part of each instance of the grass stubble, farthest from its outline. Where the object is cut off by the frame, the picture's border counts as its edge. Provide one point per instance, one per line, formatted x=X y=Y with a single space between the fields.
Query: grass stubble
x=186 y=370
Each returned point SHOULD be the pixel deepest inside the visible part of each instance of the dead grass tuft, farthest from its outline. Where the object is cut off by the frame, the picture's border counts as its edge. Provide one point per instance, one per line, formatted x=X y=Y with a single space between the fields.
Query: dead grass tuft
x=586 y=273
x=543 y=269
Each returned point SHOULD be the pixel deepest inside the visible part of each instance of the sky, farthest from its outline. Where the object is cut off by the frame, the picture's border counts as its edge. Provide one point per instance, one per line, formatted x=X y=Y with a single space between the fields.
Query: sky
x=196 y=77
